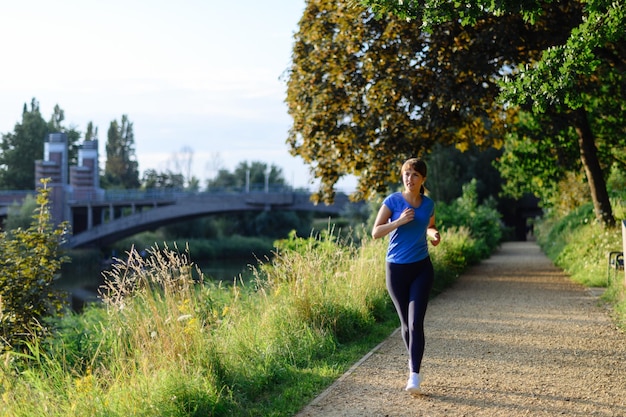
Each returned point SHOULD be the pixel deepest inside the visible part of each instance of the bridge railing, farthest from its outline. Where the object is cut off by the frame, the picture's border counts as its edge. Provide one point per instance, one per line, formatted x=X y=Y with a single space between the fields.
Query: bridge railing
x=176 y=194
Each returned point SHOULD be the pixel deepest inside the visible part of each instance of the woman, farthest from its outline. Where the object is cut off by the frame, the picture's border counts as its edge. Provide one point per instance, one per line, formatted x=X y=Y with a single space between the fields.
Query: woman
x=409 y=218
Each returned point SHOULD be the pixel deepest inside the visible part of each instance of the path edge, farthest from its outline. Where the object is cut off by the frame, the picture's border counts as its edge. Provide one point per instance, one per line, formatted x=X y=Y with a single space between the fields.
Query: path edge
x=346 y=374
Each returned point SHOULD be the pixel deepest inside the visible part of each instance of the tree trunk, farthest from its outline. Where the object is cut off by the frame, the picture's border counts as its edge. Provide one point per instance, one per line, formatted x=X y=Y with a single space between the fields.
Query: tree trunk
x=589 y=159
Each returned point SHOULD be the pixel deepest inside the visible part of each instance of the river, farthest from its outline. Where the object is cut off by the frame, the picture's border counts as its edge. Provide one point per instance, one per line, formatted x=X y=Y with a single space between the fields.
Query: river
x=82 y=277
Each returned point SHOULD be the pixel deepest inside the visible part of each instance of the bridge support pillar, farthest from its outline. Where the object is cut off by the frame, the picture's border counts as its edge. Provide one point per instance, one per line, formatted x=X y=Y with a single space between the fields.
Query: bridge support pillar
x=89 y=217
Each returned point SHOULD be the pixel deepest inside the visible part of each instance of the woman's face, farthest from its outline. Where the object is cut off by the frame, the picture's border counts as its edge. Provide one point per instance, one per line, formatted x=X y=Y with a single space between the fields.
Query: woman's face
x=412 y=179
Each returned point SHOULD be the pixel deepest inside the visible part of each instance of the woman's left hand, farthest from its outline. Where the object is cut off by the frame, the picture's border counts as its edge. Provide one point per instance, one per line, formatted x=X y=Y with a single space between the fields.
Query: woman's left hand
x=435 y=238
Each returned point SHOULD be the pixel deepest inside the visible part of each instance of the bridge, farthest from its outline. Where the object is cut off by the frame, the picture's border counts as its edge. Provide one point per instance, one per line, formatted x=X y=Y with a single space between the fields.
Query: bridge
x=99 y=217
x=110 y=217
x=102 y=218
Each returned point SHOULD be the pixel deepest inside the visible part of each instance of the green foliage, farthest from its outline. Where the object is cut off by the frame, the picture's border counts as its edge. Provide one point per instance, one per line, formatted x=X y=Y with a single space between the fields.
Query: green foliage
x=121 y=169
x=252 y=174
x=531 y=163
x=366 y=93
x=579 y=245
x=434 y=12
x=162 y=180
x=578 y=79
x=592 y=43
x=234 y=247
x=482 y=221
x=449 y=169
x=20 y=215
x=21 y=148
x=567 y=73
x=29 y=261
x=25 y=145
x=452 y=258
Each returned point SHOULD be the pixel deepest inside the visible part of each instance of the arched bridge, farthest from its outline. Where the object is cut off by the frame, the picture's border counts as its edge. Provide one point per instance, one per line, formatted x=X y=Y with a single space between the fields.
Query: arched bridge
x=130 y=214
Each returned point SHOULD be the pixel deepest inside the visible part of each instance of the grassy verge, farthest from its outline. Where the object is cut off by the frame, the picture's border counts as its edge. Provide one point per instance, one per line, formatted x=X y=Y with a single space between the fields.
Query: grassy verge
x=580 y=246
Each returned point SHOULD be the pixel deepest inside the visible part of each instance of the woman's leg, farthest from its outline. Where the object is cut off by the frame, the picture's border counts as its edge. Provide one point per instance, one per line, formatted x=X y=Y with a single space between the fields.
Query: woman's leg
x=398 y=286
x=418 y=302
x=409 y=287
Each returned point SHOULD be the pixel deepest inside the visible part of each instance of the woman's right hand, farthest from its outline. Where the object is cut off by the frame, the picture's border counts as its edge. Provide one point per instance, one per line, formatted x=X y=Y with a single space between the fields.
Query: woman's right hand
x=408 y=214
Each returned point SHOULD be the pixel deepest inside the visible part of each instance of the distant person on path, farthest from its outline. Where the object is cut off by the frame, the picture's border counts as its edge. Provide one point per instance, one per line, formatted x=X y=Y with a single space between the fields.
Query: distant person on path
x=408 y=217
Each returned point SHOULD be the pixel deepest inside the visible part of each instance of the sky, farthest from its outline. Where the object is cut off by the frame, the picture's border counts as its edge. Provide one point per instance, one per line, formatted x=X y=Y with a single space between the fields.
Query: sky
x=205 y=75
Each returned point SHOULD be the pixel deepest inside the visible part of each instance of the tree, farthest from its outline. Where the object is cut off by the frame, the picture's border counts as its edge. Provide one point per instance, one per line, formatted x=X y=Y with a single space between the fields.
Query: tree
x=25 y=145
x=252 y=174
x=178 y=173
x=20 y=215
x=569 y=78
x=21 y=148
x=121 y=167
x=449 y=169
x=92 y=132
x=153 y=179
x=275 y=223
x=181 y=162
x=365 y=93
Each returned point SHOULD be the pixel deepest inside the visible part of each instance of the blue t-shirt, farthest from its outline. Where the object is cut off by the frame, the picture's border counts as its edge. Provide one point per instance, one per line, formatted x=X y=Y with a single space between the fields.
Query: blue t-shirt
x=407 y=243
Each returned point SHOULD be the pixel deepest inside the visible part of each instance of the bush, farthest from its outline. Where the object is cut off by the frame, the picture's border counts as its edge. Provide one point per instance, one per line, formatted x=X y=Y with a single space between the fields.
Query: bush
x=457 y=251
x=481 y=221
x=21 y=215
x=29 y=261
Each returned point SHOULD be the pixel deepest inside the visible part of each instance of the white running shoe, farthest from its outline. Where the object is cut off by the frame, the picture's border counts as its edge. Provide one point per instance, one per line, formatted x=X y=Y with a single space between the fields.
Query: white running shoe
x=413 y=384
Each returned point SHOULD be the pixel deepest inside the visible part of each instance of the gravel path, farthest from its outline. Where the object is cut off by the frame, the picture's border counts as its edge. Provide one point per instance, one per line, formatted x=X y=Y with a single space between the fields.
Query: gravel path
x=514 y=337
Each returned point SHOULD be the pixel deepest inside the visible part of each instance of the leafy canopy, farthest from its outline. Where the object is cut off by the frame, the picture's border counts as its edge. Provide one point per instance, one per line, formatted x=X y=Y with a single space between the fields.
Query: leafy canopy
x=367 y=91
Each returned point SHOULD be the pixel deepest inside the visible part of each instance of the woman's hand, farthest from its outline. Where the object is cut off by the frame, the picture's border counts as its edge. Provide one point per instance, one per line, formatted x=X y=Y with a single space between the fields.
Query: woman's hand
x=408 y=214
x=435 y=238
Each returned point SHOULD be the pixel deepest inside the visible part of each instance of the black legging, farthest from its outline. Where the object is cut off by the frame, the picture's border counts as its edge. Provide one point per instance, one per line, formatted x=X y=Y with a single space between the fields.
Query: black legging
x=409 y=287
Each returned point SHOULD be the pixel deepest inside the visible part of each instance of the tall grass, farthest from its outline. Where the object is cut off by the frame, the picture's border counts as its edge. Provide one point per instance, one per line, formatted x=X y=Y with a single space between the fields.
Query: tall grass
x=162 y=344
x=165 y=342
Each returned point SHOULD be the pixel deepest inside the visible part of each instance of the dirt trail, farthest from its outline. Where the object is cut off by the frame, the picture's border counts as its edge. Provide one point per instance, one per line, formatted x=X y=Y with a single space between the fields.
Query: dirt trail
x=514 y=337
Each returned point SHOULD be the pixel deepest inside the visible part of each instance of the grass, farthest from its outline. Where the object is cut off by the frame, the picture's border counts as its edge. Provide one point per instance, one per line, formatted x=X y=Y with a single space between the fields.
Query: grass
x=580 y=246
x=165 y=344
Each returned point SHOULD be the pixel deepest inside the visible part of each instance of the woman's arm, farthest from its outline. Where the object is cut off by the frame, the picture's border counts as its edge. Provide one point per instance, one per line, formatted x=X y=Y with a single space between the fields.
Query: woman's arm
x=432 y=231
x=382 y=225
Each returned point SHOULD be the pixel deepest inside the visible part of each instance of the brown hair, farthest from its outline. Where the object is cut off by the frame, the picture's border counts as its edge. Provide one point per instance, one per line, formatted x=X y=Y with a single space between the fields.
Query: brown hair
x=418 y=165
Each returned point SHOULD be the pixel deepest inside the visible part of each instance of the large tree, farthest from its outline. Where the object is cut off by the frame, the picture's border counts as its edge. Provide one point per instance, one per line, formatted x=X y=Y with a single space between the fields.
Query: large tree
x=365 y=91
x=572 y=78
x=121 y=167
x=25 y=145
x=21 y=148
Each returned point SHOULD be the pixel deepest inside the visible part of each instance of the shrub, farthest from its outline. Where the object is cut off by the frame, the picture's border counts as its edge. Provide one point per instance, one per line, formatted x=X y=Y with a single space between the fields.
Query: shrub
x=481 y=221
x=579 y=245
x=29 y=261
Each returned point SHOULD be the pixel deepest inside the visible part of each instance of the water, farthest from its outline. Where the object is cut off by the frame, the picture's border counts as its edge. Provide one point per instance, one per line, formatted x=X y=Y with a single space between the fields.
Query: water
x=82 y=277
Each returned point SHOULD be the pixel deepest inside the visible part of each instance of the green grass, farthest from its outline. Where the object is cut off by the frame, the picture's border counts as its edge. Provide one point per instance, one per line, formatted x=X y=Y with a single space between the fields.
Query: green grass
x=163 y=344
x=579 y=245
